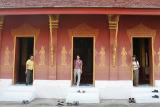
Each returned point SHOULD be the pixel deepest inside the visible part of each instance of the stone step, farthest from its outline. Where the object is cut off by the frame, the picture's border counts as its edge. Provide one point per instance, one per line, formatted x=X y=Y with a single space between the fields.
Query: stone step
x=144 y=95
x=18 y=93
x=83 y=95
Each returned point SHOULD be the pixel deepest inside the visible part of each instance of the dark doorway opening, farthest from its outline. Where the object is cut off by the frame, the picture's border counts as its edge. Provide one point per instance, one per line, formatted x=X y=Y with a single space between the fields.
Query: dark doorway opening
x=142 y=48
x=23 y=50
x=83 y=46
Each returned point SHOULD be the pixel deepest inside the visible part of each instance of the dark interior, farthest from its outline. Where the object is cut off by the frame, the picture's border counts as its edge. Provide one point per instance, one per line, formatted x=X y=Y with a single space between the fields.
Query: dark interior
x=142 y=50
x=83 y=46
x=24 y=50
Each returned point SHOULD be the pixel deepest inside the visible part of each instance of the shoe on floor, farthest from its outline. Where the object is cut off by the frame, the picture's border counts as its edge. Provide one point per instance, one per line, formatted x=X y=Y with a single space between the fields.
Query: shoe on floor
x=155 y=91
x=155 y=96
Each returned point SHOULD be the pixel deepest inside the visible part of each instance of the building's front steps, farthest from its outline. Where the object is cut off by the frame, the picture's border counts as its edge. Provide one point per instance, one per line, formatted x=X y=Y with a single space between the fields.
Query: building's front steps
x=83 y=94
x=144 y=94
x=62 y=89
x=18 y=93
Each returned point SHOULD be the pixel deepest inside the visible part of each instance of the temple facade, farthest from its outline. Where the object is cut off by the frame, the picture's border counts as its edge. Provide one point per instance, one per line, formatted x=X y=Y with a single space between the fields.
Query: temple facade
x=105 y=38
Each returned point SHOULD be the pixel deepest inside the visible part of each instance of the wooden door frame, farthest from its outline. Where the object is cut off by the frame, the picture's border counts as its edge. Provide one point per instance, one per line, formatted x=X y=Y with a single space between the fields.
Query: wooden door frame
x=151 y=79
x=93 y=37
x=14 y=64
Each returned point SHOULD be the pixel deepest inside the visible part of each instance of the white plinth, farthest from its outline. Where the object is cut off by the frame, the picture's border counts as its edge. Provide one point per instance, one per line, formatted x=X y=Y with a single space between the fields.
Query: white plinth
x=18 y=93
x=144 y=94
x=90 y=95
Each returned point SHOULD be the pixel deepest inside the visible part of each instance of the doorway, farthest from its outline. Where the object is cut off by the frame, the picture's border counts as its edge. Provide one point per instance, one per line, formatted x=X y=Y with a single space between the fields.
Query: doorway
x=83 y=46
x=142 y=48
x=24 y=48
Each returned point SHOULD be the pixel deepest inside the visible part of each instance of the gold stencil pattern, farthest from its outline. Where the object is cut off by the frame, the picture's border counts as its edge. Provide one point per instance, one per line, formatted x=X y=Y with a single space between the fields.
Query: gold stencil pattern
x=124 y=56
x=7 y=55
x=1 y=22
x=102 y=54
x=158 y=57
x=63 y=56
x=42 y=56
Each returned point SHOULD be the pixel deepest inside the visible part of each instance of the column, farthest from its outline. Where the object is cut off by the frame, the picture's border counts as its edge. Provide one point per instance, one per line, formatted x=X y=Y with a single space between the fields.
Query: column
x=113 y=31
x=53 y=26
x=1 y=28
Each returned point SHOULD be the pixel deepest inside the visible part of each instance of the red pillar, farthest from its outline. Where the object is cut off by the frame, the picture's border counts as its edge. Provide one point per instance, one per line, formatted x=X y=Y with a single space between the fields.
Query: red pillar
x=53 y=25
x=1 y=27
x=113 y=31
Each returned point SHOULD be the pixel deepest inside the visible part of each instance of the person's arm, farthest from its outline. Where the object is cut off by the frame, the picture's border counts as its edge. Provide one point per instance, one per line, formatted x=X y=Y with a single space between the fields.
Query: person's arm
x=26 y=66
x=138 y=64
x=81 y=65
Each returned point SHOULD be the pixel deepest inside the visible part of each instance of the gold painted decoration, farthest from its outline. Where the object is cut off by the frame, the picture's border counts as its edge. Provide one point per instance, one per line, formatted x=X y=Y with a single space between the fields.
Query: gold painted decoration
x=141 y=31
x=7 y=54
x=124 y=57
x=53 y=24
x=113 y=21
x=158 y=57
x=83 y=30
x=42 y=56
x=1 y=22
x=102 y=57
x=26 y=30
x=63 y=56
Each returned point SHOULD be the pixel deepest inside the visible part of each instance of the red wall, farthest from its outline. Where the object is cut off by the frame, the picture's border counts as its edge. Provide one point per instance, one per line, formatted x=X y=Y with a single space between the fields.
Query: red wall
x=68 y=22
x=128 y=22
x=13 y=22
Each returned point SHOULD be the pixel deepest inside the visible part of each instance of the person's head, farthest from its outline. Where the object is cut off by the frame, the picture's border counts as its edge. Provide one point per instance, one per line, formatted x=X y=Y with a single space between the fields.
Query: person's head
x=31 y=57
x=78 y=57
x=134 y=58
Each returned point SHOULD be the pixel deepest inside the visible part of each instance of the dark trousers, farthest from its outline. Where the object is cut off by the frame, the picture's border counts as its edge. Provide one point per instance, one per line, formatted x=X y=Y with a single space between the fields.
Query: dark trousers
x=29 y=76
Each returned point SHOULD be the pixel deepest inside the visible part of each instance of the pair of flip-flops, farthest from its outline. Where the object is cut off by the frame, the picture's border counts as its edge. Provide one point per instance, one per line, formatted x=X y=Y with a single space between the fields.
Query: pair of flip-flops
x=132 y=100
x=75 y=103
x=155 y=91
x=25 y=102
x=155 y=96
x=79 y=91
x=60 y=103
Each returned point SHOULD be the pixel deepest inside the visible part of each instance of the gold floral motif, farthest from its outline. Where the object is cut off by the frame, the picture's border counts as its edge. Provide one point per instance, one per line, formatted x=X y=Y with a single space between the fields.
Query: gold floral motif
x=42 y=56
x=63 y=56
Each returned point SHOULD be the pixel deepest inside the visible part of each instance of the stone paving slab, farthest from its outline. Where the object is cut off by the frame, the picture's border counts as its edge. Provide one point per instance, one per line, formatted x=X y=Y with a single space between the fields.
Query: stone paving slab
x=53 y=103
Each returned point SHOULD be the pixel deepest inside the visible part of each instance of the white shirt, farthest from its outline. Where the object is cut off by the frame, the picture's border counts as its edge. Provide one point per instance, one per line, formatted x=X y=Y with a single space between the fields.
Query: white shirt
x=135 y=65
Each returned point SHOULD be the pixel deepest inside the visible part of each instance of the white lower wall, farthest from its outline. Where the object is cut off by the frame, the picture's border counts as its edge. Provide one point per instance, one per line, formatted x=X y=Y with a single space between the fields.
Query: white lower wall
x=4 y=83
x=60 y=88
x=114 y=89
x=157 y=83
x=52 y=88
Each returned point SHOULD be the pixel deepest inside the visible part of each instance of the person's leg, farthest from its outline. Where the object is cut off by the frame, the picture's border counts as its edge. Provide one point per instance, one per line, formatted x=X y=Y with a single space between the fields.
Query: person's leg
x=134 y=77
x=137 y=77
x=79 y=76
x=75 y=74
x=31 y=76
x=27 y=77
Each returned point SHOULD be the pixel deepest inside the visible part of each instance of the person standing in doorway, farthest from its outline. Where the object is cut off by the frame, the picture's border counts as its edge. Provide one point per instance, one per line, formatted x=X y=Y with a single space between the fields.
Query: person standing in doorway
x=77 y=70
x=135 y=67
x=29 y=70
